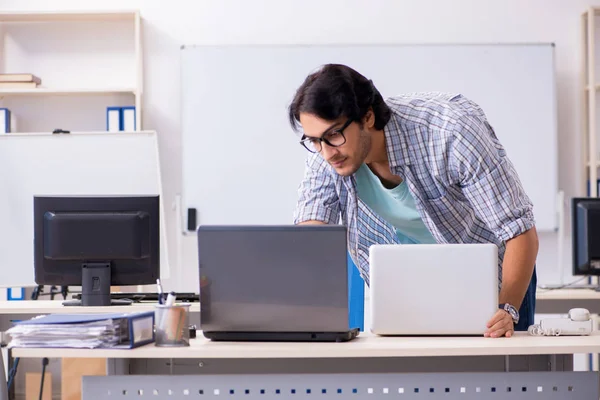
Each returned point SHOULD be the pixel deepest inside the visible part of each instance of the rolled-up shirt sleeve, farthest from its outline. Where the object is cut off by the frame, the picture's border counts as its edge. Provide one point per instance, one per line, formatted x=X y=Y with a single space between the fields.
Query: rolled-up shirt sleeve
x=317 y=197
x=487 y=178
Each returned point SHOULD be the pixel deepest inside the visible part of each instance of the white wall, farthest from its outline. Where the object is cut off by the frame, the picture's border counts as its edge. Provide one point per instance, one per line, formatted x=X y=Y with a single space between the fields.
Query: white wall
x=169 y=24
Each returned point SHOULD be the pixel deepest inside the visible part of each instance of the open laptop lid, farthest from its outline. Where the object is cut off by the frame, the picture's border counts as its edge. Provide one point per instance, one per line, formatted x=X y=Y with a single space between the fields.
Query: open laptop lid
x=433 y=289
x=273 y=278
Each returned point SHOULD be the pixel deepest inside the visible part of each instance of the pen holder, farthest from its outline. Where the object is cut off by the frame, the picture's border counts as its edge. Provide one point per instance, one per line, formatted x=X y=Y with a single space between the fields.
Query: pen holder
x=172 y=325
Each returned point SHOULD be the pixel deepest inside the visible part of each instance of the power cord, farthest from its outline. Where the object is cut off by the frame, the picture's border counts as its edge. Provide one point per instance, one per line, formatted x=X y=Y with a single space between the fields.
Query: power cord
x=54 y=291
x=566 y=285
x=536 y=330
x=12 y=373
x=44 y=363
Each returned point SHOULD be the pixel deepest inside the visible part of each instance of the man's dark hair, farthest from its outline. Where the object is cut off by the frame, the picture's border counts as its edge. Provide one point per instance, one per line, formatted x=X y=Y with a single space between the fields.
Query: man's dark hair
x=337 y=90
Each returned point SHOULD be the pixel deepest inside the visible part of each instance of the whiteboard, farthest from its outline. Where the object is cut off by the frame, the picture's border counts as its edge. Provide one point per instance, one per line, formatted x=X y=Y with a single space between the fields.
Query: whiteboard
x=242 y=162
x=68 y=164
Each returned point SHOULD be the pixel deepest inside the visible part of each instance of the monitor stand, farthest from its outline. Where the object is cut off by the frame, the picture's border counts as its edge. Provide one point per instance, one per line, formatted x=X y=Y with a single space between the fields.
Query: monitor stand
x=95 y=287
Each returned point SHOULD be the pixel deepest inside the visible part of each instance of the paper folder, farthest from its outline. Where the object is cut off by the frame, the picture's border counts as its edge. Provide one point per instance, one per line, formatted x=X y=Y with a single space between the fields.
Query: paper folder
x=130 y=329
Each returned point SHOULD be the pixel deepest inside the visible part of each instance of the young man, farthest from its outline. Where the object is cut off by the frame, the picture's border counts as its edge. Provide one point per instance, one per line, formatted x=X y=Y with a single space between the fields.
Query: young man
x=419 y=168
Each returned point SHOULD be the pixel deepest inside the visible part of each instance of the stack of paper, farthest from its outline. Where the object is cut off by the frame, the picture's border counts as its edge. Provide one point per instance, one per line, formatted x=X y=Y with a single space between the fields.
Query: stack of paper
x=87 y=335
x=84 y=330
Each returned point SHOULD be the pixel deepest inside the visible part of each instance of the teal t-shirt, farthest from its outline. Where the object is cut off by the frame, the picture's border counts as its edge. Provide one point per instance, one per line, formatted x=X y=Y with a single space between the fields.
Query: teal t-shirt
x=396 y=206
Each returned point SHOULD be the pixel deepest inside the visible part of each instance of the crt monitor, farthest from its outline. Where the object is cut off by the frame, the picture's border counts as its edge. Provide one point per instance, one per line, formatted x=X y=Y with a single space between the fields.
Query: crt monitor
x=585 y=216
x=96 y=242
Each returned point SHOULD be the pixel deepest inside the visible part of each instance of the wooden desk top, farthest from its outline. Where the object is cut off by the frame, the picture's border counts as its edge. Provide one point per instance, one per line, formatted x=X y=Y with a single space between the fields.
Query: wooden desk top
x=55 y=307
x=366 y=345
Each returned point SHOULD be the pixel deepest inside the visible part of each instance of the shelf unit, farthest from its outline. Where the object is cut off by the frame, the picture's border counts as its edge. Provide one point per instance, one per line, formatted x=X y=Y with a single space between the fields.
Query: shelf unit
x=95 y=61
x=590 y=88
x=589 y=93
x=73 y=91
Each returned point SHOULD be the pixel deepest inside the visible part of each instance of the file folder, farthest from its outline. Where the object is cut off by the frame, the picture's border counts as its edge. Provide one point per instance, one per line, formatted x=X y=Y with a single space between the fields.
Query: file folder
x=4 y=120
x=128 y=119
x=136 y=329
x=120 y=119
x=113 y=119
x=17 y=293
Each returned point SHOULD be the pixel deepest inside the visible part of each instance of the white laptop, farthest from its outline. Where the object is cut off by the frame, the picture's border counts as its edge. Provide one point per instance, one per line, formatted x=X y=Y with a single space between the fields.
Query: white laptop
x=433 y=289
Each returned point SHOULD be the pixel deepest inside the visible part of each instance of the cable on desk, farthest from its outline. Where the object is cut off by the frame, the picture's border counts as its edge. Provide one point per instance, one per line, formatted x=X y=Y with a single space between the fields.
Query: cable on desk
x=566 y=285
x=12 y=373
x=44 y=363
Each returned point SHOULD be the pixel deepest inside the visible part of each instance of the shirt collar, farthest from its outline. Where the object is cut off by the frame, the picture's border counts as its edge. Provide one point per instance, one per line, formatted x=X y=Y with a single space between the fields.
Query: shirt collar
x=396 y=144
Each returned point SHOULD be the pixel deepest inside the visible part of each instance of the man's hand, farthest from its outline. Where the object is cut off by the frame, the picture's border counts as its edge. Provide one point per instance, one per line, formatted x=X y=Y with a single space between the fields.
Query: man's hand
x=500 y=325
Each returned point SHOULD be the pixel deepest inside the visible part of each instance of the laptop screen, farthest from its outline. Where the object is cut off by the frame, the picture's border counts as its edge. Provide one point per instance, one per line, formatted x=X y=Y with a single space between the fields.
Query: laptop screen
x=273 y=278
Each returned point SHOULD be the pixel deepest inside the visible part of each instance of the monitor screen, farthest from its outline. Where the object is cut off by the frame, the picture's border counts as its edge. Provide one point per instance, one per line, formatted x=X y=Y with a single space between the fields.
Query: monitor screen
x=115 y=235
x=586 y=236
x=111 y=240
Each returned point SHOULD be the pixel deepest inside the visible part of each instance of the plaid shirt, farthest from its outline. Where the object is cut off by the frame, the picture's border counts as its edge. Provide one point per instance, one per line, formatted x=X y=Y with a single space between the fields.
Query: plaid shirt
x=465 y=187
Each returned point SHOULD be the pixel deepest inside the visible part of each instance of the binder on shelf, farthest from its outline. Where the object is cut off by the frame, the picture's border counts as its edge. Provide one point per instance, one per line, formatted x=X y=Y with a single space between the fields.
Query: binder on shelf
x=5 y=120
x=113 y=119
x=128 y=119
x=15 y=293
x=597 y=187
x=120 y=119
x=98 y=330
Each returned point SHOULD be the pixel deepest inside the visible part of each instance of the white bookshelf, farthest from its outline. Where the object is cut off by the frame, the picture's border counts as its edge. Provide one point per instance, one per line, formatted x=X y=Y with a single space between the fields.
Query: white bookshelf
x=66 y=91
x=61 y=16
x=589 y=93
x=87 y=61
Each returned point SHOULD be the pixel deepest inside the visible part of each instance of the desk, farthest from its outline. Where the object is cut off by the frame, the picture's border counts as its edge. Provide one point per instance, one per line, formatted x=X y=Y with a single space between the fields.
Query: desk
x=559 y=301
x=370 y=365
x=365 y=345
x=471 y=367
x=55 y=306
x=25 y=309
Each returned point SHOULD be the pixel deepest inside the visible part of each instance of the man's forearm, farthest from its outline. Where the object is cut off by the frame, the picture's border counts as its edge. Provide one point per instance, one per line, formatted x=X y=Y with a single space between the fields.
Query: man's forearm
x=312 y=222
x=517 y=267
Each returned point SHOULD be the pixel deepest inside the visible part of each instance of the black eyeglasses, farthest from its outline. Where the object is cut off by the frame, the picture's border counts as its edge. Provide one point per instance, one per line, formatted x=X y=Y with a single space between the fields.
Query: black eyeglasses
x=333 y=138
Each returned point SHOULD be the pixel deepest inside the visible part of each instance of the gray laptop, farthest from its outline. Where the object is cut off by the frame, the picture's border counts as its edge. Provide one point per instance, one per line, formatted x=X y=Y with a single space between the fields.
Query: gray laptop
x=274 y=283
